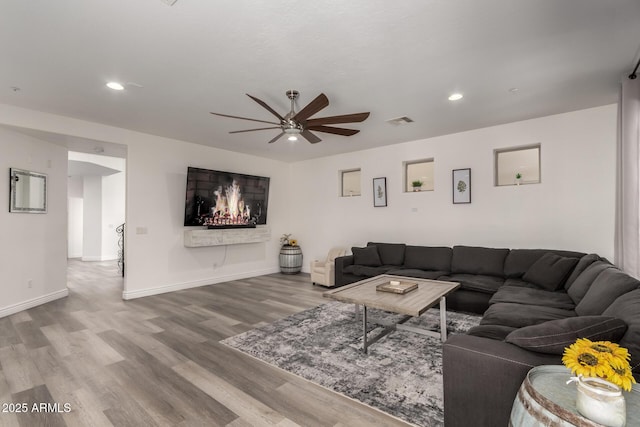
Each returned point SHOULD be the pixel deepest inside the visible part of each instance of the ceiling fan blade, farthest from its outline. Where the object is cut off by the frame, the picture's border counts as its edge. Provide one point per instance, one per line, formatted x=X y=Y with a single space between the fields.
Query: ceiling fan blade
x=264 y=104
x=310 y=137
x=251 y=130
x=336 y=131
x=313 y=107
x=276 y=138
x=346 y=118
x=245 y=118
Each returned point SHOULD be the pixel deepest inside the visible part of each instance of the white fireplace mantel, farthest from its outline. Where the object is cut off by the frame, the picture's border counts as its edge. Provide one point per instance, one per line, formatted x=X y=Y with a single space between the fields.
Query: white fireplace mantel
x=196 y=238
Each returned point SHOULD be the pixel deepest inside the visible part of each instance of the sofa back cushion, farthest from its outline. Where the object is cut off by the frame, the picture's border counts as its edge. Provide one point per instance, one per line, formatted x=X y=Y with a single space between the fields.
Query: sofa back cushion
x=582 y=265
x=581 y=284
x=366 y=256
x=478 y=260
x=428 y=258
x=520 y=260
x=390 y=253
x=626 y=308
x=604 y=290
x=550 y=271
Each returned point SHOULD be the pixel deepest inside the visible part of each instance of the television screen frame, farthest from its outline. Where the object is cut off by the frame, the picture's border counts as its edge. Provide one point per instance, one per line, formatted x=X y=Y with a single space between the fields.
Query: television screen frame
x=220 y=199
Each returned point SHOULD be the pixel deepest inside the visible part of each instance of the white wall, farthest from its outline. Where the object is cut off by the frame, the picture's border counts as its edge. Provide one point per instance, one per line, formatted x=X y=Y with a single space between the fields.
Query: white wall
x=113 y=212
x=33 y=245
x=92 y=215
x=156 y=186
x=75 y=210
x=573 y=207
x=156 y=181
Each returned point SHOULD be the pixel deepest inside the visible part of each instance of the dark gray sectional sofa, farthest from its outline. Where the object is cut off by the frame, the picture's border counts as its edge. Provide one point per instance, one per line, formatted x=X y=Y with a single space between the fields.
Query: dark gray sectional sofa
x=534 y=303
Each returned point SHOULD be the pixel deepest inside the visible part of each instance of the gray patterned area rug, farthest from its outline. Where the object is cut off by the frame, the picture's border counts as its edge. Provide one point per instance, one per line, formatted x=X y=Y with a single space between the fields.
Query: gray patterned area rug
x=401 y=374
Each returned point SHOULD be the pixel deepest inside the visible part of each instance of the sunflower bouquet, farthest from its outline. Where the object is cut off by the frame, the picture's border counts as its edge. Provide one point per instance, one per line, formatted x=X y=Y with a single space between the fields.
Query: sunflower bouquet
x=602 y=359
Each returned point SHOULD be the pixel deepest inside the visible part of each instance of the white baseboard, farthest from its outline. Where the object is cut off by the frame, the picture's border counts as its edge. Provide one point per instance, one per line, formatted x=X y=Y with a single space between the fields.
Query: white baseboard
x=25 y=305
x=127 y=295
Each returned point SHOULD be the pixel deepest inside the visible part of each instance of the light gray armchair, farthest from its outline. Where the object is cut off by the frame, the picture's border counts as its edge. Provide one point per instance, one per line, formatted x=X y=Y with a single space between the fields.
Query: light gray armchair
x=323 y=272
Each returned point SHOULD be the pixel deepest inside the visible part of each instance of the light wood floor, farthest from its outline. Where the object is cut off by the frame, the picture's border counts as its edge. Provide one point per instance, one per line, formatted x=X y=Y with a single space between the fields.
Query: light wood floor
x=157 y=361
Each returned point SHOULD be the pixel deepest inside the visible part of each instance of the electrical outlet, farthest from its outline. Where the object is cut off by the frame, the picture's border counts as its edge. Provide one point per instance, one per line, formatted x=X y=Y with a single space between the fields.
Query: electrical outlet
x=29 y=283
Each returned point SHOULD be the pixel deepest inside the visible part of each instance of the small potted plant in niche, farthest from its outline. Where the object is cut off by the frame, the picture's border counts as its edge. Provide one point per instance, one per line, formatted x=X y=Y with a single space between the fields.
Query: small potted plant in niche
x=290 y=255
x=518 y=178
x=417 y=185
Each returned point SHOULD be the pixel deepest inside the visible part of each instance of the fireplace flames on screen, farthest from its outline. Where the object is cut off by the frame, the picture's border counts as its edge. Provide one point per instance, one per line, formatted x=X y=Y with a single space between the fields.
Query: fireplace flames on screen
x=230 y=208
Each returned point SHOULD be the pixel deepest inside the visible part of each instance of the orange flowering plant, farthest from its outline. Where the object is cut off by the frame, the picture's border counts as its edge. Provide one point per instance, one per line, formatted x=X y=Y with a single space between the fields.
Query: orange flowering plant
x=601 y=359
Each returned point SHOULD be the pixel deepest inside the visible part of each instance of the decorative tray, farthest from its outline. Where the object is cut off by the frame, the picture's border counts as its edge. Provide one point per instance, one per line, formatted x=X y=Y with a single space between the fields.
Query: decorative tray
x=397 y=287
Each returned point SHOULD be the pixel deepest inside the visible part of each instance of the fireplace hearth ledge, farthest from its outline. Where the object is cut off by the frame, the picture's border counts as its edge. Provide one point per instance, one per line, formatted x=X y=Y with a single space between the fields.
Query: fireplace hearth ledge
x=196 y=238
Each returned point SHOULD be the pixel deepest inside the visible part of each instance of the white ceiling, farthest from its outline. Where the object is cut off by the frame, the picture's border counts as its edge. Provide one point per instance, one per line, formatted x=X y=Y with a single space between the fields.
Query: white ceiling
x=391 y=58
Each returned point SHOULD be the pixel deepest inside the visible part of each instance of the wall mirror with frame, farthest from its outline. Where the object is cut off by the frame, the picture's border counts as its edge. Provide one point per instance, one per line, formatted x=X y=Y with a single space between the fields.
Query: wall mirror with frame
x=28 y=193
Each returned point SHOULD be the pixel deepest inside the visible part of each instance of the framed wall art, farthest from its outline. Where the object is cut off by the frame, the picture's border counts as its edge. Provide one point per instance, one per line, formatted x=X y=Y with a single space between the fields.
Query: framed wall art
x=379 y=192
x=461 y=185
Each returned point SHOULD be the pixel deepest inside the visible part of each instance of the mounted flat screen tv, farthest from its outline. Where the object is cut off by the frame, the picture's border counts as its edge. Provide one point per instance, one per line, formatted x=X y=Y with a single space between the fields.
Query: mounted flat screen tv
x=218 y=199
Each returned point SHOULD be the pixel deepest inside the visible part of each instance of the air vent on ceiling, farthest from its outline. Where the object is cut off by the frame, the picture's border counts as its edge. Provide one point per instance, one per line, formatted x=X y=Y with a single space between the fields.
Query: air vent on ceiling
x=400 y=121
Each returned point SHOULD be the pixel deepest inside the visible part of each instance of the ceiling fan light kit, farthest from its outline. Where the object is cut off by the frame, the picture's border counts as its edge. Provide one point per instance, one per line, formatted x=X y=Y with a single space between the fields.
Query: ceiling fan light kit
x=300 y=123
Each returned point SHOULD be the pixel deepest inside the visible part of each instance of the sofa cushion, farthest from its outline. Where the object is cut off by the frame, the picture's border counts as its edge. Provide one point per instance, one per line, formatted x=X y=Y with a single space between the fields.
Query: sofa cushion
x=550 y=271
x=366 y=256
x=519 y=315
x=476 y=282
x=581 y=284
x=554 y=336
x=420 y=274
x=604 y=290
x=494 y=332
x=390 y=253
x=428 y=258
x=367 y=271
x=529 y=296
x=581 y=266
x=520 y=283
x=626 y=308
x=520 y=260
x=478 y=260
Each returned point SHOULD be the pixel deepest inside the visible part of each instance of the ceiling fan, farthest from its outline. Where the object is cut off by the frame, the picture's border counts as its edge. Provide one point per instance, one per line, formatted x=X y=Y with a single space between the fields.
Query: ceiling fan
x=300 y=123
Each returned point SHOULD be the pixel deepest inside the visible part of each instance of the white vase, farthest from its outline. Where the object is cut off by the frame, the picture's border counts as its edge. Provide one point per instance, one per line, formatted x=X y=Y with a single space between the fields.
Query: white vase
x=601 y=401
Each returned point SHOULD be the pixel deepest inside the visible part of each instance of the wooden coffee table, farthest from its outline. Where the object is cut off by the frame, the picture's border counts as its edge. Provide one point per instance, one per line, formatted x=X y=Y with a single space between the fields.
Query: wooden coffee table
x=411 y=304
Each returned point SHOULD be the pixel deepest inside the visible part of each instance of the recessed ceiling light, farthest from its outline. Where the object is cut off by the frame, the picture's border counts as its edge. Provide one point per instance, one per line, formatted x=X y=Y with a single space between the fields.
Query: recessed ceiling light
x=513 y=90
x=455 y=96
x=115 y=86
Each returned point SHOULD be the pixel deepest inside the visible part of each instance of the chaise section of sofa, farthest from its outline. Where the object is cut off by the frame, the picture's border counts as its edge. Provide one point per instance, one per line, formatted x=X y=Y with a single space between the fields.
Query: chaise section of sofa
x=527 y=326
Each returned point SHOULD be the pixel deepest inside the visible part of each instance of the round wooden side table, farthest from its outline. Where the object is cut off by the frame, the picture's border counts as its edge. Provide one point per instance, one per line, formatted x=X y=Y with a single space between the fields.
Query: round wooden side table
x=545 y=399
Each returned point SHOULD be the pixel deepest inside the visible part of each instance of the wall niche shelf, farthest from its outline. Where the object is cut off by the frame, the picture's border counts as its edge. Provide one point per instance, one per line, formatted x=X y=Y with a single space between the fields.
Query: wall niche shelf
x=197 y=238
